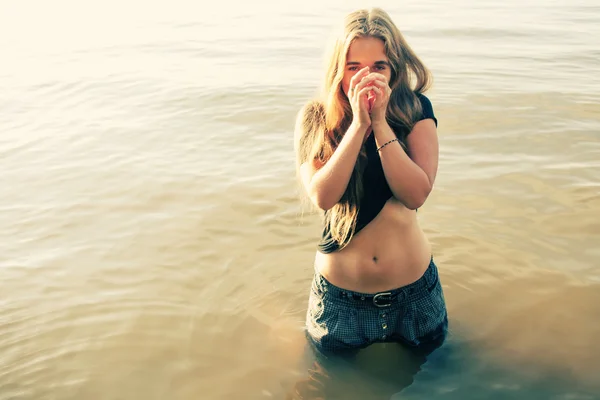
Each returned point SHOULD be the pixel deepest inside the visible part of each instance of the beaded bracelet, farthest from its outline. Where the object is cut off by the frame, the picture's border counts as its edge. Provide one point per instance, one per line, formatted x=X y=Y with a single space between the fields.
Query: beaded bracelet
x=385 y=144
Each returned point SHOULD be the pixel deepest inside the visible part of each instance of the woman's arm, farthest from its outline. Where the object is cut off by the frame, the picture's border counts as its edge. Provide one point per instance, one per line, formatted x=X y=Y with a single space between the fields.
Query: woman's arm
x=410 y=178
x=326 y=184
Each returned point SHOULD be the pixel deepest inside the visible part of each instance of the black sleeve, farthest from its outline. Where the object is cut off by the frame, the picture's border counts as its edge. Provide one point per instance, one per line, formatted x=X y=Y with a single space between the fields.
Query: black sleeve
x=427 y=108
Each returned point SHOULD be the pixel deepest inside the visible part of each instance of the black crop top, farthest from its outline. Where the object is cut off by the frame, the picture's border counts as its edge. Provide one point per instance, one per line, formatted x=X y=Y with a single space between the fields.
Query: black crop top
x=375 y=187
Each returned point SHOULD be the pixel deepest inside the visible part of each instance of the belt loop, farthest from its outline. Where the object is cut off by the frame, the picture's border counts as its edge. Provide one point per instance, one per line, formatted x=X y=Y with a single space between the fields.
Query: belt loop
x=430 y=273
x=322 y=283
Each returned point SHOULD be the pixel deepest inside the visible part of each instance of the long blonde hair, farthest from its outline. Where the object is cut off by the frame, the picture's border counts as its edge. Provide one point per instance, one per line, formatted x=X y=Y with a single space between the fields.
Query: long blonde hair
x=321 y=123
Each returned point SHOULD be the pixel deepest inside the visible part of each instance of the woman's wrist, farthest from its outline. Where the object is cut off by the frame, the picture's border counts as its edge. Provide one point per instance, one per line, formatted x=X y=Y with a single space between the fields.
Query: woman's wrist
x=358 y=127
x=379 y=123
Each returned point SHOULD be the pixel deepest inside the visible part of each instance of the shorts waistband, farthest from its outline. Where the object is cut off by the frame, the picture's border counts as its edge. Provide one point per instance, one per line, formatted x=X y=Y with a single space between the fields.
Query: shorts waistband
x=324 y=288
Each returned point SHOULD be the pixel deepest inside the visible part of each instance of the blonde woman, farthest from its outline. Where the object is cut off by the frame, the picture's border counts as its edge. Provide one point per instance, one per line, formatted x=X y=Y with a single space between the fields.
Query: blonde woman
x=367 y=156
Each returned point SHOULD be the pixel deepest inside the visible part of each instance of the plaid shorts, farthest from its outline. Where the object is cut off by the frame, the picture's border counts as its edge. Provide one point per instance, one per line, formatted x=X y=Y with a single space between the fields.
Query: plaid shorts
x=414 y=315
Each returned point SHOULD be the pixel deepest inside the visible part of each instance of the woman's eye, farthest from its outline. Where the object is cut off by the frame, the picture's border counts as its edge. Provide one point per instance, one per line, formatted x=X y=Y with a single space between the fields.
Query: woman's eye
x=352 y=68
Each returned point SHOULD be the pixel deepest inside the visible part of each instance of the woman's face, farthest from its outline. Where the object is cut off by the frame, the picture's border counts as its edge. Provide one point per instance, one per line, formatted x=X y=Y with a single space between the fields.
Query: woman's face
x=366 y=52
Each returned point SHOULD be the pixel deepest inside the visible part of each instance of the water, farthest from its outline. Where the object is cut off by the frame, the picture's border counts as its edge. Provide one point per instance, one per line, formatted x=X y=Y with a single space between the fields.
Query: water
x=153 y=245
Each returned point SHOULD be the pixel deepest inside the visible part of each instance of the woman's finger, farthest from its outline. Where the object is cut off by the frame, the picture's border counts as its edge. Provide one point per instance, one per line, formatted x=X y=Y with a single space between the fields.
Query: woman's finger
x=362 y=84
x=380 y=84
x=379 y=77
x=357 y=78
x=362 y=94
x=385 y=89
x=379 y=95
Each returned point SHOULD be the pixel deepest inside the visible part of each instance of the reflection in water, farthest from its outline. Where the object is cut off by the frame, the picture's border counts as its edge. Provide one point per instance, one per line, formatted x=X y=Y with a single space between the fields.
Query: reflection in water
x=377 y=372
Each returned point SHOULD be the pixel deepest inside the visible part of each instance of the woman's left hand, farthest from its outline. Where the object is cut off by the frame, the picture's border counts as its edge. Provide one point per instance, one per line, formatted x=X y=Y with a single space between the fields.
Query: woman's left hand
x=382 y=97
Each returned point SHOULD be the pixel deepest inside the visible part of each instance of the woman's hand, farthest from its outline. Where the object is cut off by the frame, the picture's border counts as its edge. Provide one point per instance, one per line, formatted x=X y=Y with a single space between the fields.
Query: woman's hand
x=357 y=95
x=382 y=97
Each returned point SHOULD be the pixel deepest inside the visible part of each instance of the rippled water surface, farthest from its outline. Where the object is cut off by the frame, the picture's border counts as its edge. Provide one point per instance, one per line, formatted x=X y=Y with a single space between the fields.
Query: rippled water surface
x=153 y=245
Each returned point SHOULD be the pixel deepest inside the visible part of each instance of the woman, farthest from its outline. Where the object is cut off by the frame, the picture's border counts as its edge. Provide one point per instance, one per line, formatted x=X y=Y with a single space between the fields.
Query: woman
x=367 y=155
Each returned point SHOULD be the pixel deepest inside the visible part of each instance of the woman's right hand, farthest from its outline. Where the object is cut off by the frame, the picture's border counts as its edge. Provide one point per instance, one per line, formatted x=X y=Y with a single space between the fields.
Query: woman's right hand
x=357 y=95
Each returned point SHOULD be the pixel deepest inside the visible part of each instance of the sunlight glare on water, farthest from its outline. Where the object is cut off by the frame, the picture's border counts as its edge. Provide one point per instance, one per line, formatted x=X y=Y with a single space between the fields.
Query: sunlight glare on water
x=154 y=244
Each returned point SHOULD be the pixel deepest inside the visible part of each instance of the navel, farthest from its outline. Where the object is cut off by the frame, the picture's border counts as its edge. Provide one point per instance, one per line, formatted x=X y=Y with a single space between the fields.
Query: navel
x=374 y=259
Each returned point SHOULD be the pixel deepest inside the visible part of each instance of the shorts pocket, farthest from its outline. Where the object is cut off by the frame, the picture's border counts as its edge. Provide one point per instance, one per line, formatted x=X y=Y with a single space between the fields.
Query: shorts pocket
x=348 y=332
x=436 y=282
x=430 y=312
x=424 y=318
x=332 y=326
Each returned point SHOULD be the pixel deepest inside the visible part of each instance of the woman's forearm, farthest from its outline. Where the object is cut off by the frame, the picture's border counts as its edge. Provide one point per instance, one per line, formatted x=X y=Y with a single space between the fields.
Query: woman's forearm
x=408 y=182
x=329 y=183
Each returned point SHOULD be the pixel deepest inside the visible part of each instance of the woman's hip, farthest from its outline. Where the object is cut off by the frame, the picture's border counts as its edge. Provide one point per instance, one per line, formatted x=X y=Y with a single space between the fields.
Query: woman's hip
x=374 y=270
x=413 y=314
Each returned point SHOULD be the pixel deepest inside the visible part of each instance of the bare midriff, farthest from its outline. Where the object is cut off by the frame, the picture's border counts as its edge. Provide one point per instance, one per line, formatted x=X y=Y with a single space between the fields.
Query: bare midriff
x=390 y=252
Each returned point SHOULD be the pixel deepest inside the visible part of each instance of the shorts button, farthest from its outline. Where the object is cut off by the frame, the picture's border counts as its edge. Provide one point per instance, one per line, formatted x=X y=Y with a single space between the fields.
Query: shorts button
x=384 y=326
x=384 y=337
x=362 y=297
x=383 y=315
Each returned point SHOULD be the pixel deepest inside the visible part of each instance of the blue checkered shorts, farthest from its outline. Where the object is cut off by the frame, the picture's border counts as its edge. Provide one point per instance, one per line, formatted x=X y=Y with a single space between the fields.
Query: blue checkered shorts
x=340 y=319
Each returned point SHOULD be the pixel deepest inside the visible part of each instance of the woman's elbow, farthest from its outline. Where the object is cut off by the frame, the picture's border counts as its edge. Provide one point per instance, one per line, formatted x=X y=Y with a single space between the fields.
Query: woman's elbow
x=324 y=204
x=322 y=201
x=413 y=204
x=417 y=198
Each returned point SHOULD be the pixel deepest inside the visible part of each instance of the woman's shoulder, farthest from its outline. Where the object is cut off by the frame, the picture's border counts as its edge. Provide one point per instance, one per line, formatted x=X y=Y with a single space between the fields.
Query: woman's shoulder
x=311 y=110
x=426 y=107
x=311 y=115
x=425 y=102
